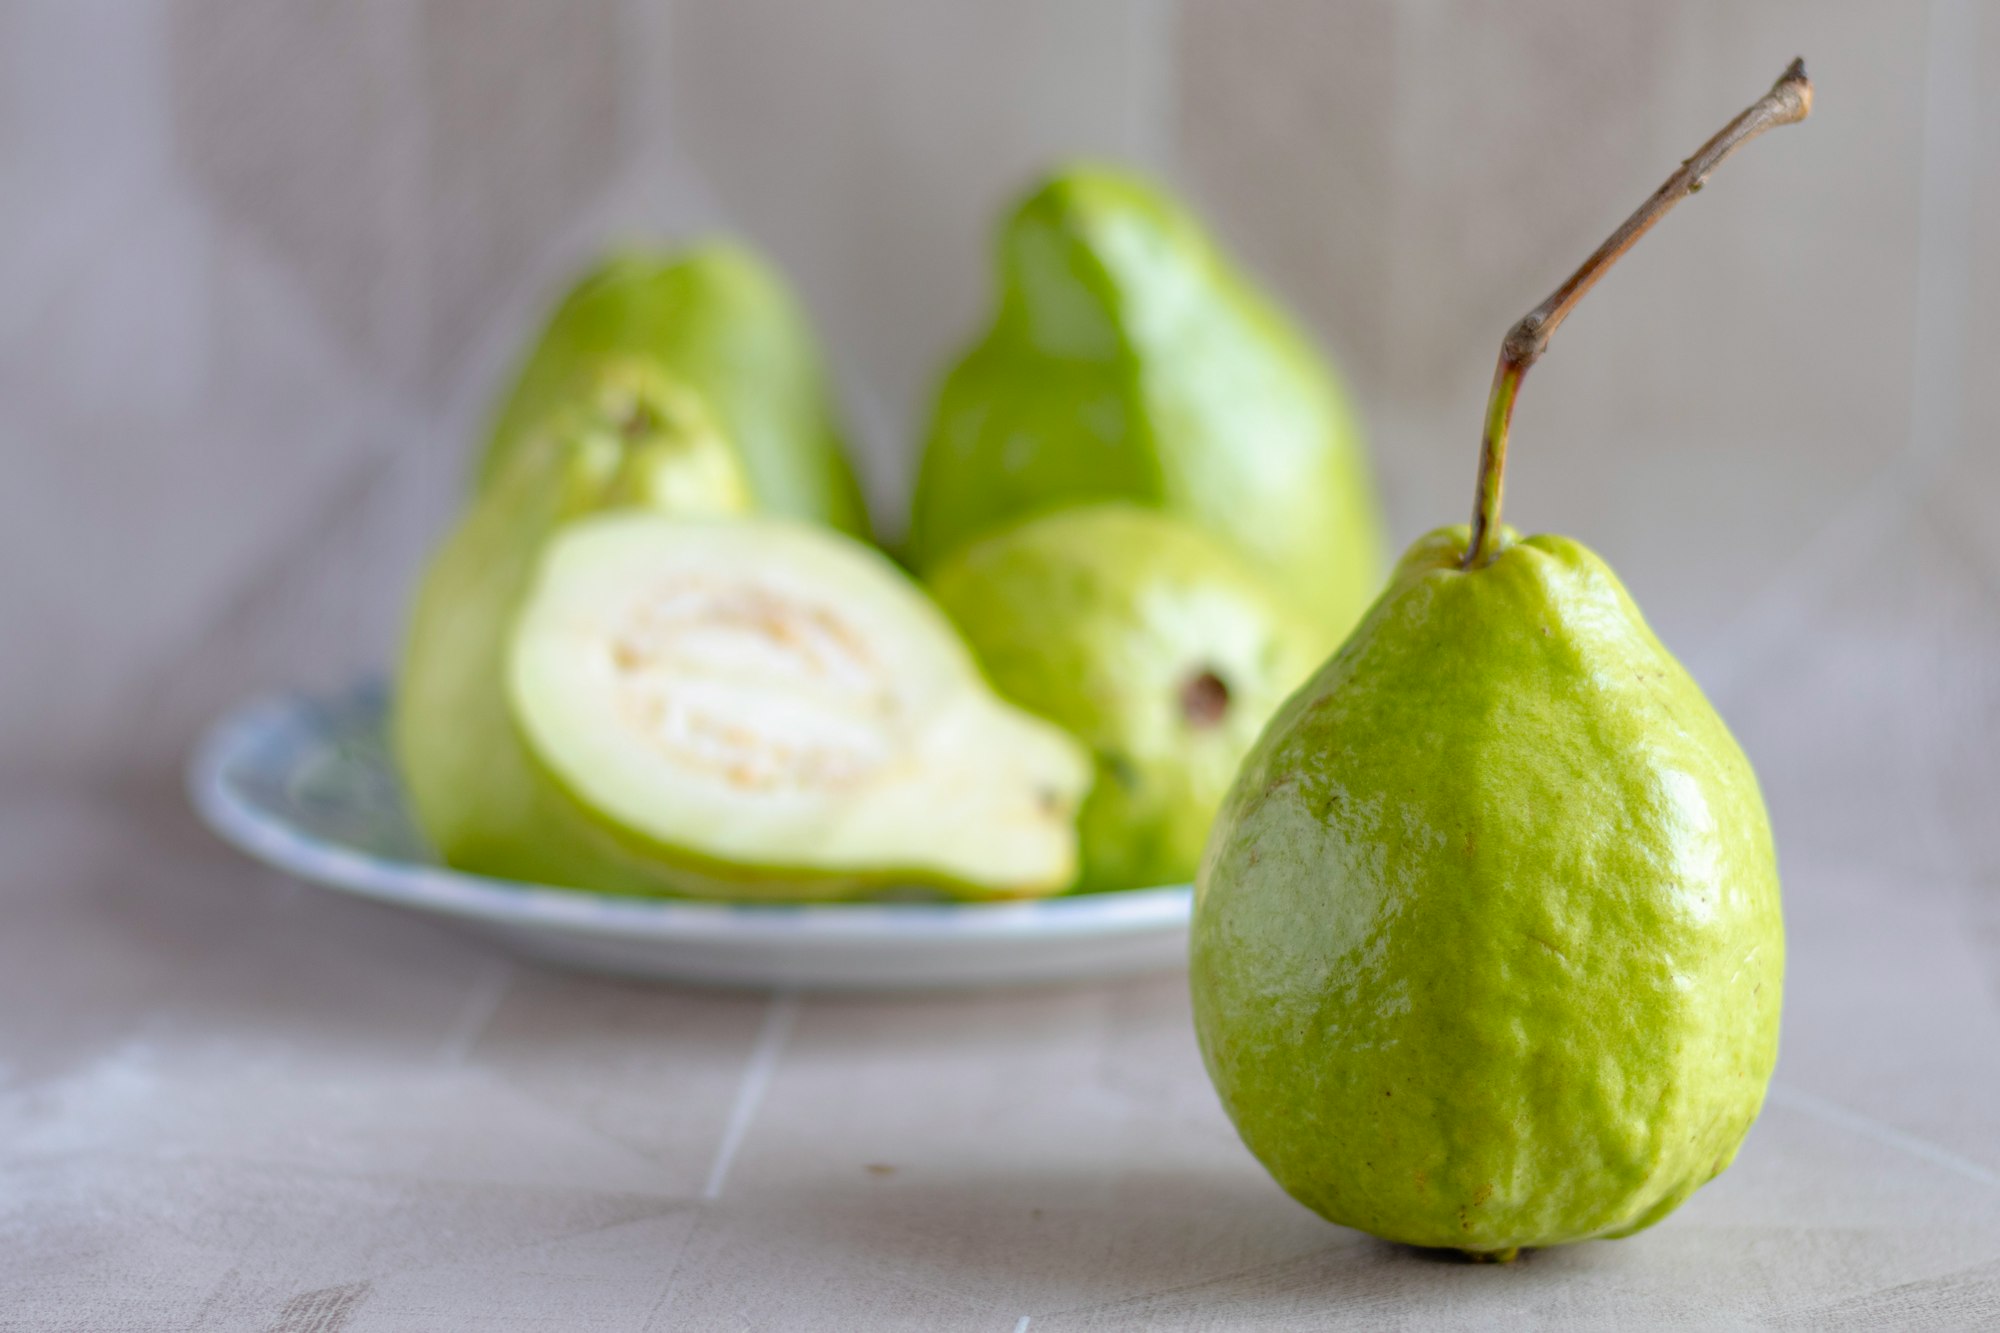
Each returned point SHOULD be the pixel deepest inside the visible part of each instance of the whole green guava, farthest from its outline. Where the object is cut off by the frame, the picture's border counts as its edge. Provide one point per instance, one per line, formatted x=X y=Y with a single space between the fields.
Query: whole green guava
x=1486 y=949
x=1155 y=644
x=719 y=320
x=1129 y=360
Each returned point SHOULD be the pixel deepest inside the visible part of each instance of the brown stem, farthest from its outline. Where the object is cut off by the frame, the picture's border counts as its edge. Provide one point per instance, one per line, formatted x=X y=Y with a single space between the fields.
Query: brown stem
x=1789 y=100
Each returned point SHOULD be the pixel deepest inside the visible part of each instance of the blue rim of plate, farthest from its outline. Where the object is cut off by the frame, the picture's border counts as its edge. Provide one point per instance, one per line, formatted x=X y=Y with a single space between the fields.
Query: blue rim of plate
x=261 y=745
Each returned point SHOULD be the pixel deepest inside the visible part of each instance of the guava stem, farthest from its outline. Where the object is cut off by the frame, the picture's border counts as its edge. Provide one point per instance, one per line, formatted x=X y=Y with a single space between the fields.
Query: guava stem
x=1789 y=101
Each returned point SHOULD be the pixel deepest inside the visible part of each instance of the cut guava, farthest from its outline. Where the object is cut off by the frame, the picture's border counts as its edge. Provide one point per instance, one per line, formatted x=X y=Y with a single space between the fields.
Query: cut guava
x=760 y=708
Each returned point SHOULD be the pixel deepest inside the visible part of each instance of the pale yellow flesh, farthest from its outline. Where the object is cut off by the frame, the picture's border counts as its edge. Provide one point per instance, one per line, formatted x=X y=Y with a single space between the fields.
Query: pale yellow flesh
x=760 y=692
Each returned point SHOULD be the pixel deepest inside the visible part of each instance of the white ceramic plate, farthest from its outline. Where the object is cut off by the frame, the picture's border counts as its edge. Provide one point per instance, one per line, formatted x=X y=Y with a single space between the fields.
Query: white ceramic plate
x=306 y=785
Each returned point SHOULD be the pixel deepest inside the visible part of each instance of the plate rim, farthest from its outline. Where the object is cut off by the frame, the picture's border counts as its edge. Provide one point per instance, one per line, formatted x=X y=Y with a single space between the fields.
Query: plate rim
x=225 y=744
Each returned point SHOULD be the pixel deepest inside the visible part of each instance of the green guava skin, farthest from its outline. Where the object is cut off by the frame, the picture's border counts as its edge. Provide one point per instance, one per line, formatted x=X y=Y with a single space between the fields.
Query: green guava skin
x=1128 y=360
x=477 y=793
x=717 y=318
x=1486 y=950
x=1098 y=618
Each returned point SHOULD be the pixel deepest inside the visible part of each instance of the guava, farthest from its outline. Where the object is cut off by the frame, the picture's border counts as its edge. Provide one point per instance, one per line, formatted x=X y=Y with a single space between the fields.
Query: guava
x=614 y=680
x=1130 y=360
x=1486 y=950
x=1156 y=644
x=630 y=437
x=719 y=320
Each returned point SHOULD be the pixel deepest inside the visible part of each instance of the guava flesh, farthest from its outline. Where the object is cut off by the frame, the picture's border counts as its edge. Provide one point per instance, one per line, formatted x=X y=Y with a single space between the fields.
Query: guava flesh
x=777 y=709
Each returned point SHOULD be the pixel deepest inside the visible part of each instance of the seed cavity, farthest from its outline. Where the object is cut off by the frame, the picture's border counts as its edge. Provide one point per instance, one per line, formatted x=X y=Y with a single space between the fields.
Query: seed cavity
x=755 y=685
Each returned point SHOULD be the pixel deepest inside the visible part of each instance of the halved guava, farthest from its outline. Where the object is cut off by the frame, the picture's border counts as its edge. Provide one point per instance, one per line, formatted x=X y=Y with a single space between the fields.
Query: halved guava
x=755 y=707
